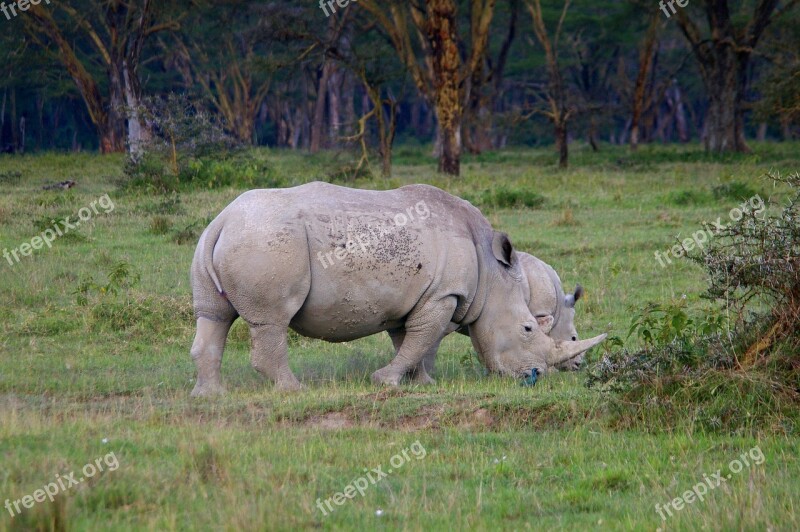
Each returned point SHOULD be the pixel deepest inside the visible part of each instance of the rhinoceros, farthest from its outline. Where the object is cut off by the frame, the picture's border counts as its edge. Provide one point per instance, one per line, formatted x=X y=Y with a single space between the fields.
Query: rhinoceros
x=554 y=312
x=338 y=264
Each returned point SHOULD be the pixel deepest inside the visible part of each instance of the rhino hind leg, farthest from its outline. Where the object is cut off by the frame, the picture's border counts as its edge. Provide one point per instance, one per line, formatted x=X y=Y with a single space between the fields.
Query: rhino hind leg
x=421 y=373
x=269 y=356
x=207 y=349
x=424 y=330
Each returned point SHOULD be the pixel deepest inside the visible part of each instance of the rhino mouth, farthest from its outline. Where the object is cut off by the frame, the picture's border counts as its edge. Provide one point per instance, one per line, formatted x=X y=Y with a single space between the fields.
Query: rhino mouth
x=529 y=377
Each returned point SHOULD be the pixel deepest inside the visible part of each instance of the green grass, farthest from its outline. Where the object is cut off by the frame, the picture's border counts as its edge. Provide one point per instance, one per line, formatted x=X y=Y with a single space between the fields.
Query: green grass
x=118 y=368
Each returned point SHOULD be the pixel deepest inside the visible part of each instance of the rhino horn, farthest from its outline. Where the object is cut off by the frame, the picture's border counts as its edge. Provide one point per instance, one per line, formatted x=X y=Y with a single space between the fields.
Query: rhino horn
x=568 y=350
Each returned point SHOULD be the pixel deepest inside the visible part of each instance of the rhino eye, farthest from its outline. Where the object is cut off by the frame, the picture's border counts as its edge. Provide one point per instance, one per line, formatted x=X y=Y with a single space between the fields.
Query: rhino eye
x=574 y=338
x=528 y=328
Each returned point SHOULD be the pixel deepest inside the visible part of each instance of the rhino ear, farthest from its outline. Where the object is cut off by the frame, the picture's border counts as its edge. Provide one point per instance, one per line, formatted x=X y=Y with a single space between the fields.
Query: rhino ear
x=570 y=299
x=502 y=248
x=578 y=292
x=545 y=323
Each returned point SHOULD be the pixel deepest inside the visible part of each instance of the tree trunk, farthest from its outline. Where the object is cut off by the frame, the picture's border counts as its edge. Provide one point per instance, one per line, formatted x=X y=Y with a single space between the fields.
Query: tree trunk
x=334 y=104
x=22 y=123
x=3 y=122
x=348 y=114
x=446 y=65
x=724 y=118
x=14 y=137
x=761 y=136
x=138 y=134
x=319 y=107
x=562 y=141
x=723 y=61
x=721 y=123
x=646 y=57
x=593 y=134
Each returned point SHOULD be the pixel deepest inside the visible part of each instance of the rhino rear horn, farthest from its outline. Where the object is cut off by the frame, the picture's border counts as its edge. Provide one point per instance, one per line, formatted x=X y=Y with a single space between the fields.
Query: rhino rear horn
x=569 y=350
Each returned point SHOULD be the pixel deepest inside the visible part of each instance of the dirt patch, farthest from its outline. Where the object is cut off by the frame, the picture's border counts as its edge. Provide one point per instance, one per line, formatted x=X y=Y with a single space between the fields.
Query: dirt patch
x=330 y=421
x=480 y=419
x=428 y=418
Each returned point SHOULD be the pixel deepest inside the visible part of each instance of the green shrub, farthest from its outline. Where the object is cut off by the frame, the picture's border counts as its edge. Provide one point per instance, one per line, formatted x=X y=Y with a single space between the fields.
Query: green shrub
x=10 y=177
x=189 y=148
x=688 y=197
x=505 y=198
x=734 y=190
x=160 y=225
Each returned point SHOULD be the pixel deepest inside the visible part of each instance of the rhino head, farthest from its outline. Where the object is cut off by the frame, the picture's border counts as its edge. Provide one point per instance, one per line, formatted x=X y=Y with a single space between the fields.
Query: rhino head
x=507 y=337
x=554 y=311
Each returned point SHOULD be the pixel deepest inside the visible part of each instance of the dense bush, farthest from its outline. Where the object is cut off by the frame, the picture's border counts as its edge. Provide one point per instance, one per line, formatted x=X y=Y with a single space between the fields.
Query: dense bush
x=735 y=366
x=187 y=147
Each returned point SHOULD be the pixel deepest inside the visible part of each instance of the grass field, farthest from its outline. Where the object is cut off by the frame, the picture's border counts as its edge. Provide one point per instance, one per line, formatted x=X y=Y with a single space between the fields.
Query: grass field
x=94 y=359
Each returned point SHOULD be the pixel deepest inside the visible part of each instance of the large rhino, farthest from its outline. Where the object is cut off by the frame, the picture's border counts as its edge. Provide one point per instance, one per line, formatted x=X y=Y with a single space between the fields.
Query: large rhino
x=554 y=311
x=339 y=264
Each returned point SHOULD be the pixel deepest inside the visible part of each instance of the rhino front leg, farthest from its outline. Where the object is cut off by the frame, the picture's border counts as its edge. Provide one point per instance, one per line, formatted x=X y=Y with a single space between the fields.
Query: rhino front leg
x=209 y=343
x=269 y=356
x=419 y=374
x=424 y=330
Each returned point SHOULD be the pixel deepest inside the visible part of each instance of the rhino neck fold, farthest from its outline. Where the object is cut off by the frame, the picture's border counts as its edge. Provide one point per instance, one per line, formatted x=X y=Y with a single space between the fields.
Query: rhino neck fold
x=470 y=310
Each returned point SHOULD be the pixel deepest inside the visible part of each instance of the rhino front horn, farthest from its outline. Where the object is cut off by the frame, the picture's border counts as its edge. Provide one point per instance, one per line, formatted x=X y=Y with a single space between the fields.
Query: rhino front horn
x=569 y=350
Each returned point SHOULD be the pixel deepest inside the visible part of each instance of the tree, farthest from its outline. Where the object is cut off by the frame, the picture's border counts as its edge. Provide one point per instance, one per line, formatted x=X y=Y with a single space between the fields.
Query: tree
x=558 y=112
x=647 y=51
x=236 y=71
x=115 y=31
x=436 y=65
x=485 y=84
x=779 y=86
x=723 y=57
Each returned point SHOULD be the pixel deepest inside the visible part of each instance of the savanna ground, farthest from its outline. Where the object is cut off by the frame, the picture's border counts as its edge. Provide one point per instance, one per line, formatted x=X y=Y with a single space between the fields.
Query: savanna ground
x=94 y=358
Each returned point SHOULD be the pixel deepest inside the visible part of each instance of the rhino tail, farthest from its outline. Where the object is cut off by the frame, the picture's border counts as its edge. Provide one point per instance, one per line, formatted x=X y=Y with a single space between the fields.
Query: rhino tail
x=211 y=237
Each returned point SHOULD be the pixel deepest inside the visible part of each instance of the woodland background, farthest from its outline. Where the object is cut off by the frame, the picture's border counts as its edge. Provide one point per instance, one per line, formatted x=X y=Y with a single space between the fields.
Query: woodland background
x=465 y=76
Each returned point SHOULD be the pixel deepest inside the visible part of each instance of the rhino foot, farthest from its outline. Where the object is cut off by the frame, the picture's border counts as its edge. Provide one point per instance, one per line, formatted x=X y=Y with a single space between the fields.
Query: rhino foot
x=386 y=377
x=208 y=389
x=289 y=386
x=422 y=378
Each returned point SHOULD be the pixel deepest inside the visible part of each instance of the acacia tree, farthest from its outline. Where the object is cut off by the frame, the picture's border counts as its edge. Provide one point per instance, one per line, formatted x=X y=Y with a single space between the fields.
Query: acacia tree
x=558 y=111
x=435 y=64
x=723 y=56
x=647 y=51
x=115 y=31
x=485 y=83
